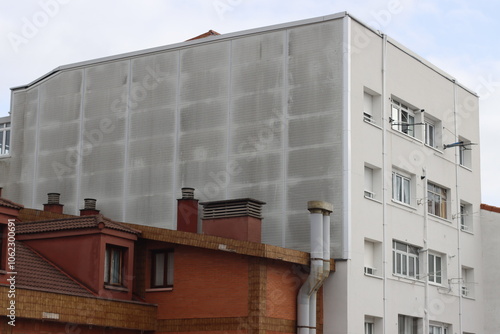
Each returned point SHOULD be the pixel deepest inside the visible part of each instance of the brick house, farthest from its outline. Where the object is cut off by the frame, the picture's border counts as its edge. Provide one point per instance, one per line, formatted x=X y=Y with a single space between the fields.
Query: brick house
x=89 y=274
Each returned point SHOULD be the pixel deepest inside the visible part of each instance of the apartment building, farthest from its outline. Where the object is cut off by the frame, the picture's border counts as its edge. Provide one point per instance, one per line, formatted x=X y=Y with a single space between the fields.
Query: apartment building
x=325 y=108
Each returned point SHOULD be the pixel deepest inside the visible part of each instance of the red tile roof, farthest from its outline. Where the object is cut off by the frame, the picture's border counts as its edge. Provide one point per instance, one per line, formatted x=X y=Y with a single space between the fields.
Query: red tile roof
x=9 y=204
x=35 y=272
x=207 y=34
x=490 y=208
x=73 y=223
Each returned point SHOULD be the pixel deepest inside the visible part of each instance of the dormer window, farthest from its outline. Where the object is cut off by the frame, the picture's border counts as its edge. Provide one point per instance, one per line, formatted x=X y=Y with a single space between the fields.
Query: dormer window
x=113 y=265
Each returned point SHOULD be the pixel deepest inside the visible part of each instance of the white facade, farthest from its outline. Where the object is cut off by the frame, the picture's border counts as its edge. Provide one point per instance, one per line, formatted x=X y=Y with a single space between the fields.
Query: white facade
x=323 y=109
x=490 y=225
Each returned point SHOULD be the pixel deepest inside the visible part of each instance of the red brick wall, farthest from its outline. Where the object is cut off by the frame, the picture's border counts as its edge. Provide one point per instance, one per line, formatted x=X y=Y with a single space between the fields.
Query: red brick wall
x=25 y=326
x=283 y=284
x=206 y=284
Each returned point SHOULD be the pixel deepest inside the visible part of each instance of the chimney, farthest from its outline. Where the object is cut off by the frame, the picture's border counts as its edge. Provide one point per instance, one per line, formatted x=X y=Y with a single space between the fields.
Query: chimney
x=187 y=211
x=53 y=203
x=239 y=219
x=1 y=191
x=89 y=207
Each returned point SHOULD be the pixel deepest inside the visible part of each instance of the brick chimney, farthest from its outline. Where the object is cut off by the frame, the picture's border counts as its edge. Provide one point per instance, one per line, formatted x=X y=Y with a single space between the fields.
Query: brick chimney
x=187 y=211
x=239 y=219
x=89 y=208
x=1 y=191
x=53 y=204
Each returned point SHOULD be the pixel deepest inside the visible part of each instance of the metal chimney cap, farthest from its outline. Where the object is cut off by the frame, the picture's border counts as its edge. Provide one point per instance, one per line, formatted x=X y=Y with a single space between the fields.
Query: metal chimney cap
x=320 y=206
x=89 y=203
x=187 y=193
x=53 y=198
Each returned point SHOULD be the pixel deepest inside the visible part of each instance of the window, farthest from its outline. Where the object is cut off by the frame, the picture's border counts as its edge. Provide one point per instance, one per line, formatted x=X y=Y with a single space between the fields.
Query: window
x=401 y=188
x=371 y=106
x=405 y=261
x=113 y=265
x=467 y=282
x=438 y=329
x=2 y=251
x=435 y=268
x=162 y=268
x=466 y=217
x=430 y=134
x=369 y=328
x=465 y=158
x=5 y=138
x=407 y=325
x=436 y=200
x=402 y=118
x=368 y=107
x=373 y=257
x=369 y=182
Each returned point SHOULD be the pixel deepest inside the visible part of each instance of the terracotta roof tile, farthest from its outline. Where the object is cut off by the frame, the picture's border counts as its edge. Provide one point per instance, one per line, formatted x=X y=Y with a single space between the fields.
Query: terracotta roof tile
x=29 y=215
x=72 y=223
x=9 y=204
x=207 y=34
x=34 y=272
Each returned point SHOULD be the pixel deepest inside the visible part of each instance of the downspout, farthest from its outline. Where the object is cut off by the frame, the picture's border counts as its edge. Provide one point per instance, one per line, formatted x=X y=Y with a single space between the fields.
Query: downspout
x=320 y=266
x=385 y=186
x=426 y=253
x=457 y=198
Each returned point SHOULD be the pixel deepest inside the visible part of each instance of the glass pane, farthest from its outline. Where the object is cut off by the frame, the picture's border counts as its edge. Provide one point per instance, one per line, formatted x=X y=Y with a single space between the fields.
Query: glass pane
x=406 y=187
x=404 y=259
x=106 y=266
x=399 y=269
x=1 y=142
x=438 y=269
x=170 y=268
x=7 y=142
x=431 y=268
x=115 y=266
x=411 y=272
x=159 y=269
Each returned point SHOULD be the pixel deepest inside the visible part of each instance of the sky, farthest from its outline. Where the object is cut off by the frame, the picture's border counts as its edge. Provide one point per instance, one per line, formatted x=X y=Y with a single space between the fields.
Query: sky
x=461 y=37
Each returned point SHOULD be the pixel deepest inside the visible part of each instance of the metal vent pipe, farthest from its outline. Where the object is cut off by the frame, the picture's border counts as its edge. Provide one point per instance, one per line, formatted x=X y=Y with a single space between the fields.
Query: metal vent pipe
x=320 y=265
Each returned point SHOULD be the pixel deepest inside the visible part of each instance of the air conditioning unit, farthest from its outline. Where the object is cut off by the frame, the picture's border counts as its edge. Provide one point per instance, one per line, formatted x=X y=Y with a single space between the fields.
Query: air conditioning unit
x=369 y=194
x=465 y=291
x=370 y=271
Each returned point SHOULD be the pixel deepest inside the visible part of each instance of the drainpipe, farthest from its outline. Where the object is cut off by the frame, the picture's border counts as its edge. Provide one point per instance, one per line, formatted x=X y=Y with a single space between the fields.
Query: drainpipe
x=320 y=266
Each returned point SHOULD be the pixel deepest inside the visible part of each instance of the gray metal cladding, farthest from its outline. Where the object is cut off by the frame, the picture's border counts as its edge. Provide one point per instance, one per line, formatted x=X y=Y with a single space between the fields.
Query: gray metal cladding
x=253 y=116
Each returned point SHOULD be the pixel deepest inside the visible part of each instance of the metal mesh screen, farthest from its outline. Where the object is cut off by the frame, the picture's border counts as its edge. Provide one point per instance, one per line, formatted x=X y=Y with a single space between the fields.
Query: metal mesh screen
x=256 y=116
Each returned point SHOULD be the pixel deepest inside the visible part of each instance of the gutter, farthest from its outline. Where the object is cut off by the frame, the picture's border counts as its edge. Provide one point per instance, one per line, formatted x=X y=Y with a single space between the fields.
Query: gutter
x=320 y=266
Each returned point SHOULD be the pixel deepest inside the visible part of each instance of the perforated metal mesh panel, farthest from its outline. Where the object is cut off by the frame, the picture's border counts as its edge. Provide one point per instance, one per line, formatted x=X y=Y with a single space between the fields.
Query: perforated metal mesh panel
x=255 y=116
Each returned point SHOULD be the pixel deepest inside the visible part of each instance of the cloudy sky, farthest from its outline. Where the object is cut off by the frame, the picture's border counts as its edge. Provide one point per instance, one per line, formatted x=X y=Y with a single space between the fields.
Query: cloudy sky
x=460 y=36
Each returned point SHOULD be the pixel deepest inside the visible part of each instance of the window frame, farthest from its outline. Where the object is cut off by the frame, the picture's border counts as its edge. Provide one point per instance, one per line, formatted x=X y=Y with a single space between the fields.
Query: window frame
x=435 y=276
x=437 y=197
x=369 y=327
x=398 y=191
x=403 y=118
x=5 y=138
x=430 y=133
x=168 y=267
x=406 y=323
x=110 y=269
x=405 y=263
x=466 y=217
